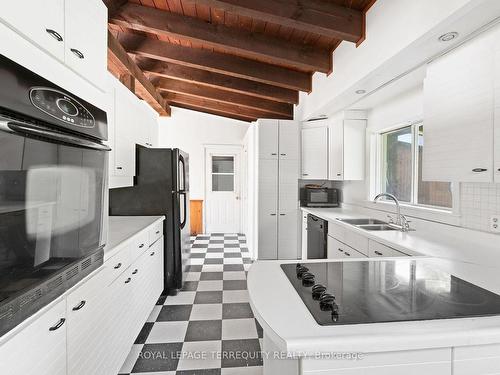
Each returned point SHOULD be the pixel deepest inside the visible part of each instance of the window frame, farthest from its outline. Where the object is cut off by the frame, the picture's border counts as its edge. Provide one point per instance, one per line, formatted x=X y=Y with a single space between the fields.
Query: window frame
x=380 y=170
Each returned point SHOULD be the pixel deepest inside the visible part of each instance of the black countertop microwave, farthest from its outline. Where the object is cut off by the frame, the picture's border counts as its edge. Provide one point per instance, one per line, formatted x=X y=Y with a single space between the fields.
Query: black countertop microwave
x=319 y=197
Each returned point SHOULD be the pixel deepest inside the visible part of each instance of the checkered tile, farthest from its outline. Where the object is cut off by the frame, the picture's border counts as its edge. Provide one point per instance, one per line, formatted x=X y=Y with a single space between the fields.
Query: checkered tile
x=204 y=328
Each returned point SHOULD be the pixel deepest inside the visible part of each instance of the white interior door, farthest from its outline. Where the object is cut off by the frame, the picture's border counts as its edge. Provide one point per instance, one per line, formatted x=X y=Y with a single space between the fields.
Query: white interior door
x=223 y=190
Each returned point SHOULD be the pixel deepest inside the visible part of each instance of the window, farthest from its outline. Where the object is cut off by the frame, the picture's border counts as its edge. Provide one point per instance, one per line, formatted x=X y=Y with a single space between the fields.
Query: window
x=222 y=173
x=401 y=175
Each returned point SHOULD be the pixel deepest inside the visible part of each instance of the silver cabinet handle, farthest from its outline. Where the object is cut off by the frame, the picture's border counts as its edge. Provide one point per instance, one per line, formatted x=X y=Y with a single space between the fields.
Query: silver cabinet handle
x=117 y=266
x=54 y=34
x=341 y=250
x=153 y=253
x=273 y=214
x=274 y=153
x=79 y=306
x=58 y=325
x=283 y=154
x=282 y=214
x=120 y=168
x=77 y=53
x=378 y=253
x=479 y=170
x=128 y=280
x=346 y=253
x=157 y=232
x=141 y=246
x=339 y=174
x=135 y=271
x=305 y=174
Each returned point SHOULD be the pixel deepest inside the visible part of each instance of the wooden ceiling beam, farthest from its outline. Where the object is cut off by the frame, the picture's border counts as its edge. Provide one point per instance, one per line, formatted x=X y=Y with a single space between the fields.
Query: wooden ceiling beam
x=203 y=92
x=216 y=80
x=216 y=62
x=210 y=104
x=118 y=58
x=240 y=42
x=114 y=6
x=315 y=16
x=213 y=112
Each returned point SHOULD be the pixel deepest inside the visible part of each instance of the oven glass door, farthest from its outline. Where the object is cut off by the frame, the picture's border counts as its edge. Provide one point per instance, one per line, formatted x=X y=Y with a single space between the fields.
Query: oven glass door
x=51 y=207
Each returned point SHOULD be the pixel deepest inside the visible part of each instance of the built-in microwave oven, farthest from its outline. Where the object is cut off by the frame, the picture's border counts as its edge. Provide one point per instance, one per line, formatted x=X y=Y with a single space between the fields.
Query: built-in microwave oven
x=319 y=197
x=53 y=191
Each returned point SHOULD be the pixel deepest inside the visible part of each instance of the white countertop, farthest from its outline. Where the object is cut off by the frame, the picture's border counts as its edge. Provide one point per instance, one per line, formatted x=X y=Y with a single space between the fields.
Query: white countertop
x=122 y=228
x=470 y=255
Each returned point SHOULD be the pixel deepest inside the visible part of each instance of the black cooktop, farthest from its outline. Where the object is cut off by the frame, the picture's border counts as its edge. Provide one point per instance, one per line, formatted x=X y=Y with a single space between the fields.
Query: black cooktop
x=338 y=293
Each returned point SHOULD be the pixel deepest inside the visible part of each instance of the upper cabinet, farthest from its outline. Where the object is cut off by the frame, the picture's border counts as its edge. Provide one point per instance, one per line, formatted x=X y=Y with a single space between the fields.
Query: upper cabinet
x=86 y=39
x=346 y=157
x=43 y=24
x=131 y=122
x=268 y=131
x=73 y=31
x=459 y=113
x=315 y=152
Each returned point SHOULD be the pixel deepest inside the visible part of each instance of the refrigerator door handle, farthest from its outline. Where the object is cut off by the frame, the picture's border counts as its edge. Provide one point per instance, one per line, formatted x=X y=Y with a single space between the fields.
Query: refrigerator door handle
x=184 y=219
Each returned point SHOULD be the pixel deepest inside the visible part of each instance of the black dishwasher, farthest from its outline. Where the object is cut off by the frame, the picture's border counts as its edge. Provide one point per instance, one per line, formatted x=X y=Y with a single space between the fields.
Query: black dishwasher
x=317 y=232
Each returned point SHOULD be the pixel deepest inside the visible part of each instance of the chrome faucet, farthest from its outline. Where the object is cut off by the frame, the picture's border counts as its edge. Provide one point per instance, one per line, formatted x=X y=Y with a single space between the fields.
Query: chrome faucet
x=402 y=222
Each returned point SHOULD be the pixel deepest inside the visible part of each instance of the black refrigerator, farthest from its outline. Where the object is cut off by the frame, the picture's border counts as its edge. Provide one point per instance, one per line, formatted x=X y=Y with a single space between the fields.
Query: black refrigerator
x=161 y=187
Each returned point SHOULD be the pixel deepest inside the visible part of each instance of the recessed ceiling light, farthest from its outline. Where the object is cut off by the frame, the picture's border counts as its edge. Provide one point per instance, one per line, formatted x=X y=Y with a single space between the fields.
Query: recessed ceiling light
x=359 y=92
x=448 y=36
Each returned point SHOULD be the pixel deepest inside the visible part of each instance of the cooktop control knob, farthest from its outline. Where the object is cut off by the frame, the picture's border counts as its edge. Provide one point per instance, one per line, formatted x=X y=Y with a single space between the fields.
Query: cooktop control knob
x=326 y=302
x=307 y=279
x=317 y=291
x=301 y=270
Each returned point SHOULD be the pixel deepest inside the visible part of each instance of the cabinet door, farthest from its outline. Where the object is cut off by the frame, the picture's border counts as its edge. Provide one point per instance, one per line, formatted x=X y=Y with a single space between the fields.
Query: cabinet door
x=304 y=235
x=42 y=23
x=268 y=209
x=88 y=326
x=336 y=151
x=288 y=224
x=289 y=146
x=315 y=153
x=354 y=147
x=267 y=139
x=458 y=114
x=39 y=348
x=86 y=39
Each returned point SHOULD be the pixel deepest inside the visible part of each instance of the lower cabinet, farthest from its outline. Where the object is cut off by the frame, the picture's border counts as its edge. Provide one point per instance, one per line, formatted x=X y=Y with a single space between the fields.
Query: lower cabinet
x=39 y=348
x=338 y=250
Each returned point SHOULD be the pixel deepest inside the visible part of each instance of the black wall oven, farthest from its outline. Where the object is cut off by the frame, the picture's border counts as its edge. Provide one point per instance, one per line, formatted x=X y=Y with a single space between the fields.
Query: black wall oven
x=53 y=191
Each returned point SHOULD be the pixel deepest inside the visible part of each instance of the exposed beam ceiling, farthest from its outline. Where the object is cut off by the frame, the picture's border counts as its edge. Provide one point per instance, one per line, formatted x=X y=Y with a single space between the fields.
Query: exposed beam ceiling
x=240 y=42
x=199 y=91
x=317 y=16
x=235 y=58
x=249 y=113
x=119 y=58
x=231 y=65
x=221 y=81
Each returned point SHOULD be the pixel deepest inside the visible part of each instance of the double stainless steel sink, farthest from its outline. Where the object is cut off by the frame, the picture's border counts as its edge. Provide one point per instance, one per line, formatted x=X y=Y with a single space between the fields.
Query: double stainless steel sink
x=369 y=224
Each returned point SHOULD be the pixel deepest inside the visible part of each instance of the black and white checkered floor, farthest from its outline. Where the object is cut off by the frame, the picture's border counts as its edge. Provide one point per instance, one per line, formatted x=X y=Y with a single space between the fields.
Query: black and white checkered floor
x=208 y=328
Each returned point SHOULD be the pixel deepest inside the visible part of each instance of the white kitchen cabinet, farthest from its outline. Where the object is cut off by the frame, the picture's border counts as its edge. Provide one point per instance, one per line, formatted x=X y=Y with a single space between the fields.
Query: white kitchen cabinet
x=376 y=249
x=496 y=129
x=346 y=156
x=277 y=189
x=88 y=326
x=459 y=113
x=40 y=347
x=43 y=24
x=339 y=250
x=86 y=39
x=268 y=133
x=304 y=235
x=477 y=360
x=268 y=209
x=315 y=153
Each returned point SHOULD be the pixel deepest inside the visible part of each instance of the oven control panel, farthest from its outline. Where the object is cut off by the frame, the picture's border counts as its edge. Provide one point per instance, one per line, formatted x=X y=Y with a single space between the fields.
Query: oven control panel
x=61 y=106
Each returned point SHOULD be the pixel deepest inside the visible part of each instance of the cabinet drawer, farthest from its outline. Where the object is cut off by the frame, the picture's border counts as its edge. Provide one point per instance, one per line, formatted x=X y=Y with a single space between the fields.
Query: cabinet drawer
x=339 y=250
x=140 y=244
x=356 y=241
x=376 y=249
x=117 y=264
x=155 y=232
x=336 y=230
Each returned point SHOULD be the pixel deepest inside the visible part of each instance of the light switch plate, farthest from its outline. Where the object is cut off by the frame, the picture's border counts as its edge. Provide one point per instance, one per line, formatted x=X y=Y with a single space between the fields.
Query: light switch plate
x=495 y=224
